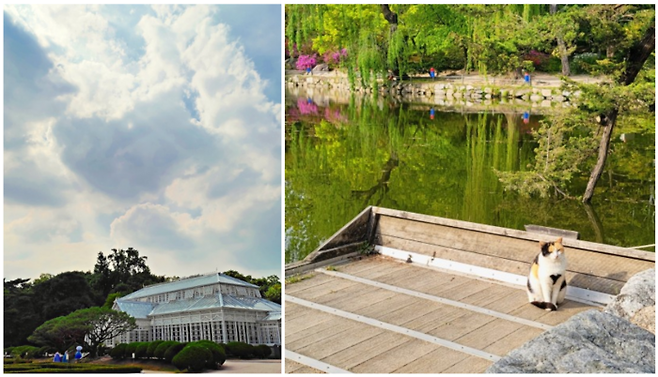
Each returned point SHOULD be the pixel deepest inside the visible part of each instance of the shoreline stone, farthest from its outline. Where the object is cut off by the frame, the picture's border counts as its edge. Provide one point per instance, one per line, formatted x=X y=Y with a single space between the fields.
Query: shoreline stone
x=589 y=342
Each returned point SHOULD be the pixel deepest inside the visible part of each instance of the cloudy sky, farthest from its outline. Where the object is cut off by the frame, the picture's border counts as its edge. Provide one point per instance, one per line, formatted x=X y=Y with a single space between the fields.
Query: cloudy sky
x=151 y=127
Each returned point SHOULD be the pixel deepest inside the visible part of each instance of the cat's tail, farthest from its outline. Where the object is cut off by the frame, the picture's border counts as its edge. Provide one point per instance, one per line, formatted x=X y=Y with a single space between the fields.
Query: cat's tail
x=544 y=305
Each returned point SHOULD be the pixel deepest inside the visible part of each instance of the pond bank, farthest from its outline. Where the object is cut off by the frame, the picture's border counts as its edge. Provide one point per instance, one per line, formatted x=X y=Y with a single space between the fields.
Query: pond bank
x=543 y=92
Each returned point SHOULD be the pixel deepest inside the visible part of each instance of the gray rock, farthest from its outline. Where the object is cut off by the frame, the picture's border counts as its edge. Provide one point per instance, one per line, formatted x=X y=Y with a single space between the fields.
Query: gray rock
x=646 y=318
x=638 y=292
x=589 y=342
x=322 y=67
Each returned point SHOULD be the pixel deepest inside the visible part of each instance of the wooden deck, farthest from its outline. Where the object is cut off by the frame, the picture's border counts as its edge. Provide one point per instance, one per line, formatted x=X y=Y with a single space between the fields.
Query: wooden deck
x=339 y=332
x=441 y=296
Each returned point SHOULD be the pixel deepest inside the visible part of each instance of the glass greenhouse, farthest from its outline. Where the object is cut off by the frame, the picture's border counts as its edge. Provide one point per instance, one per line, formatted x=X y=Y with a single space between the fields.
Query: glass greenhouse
x=216 y=307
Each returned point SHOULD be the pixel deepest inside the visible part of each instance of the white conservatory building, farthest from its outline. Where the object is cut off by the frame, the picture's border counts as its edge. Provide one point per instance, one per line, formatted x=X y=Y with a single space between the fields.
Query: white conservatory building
x=216 y=307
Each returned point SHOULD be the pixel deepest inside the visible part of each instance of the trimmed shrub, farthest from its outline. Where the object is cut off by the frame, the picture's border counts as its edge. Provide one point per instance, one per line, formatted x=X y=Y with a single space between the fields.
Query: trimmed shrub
x=218 y=353
x=130 y=349
x=163 y=347
x=119 y=352
x=152 y=347
x=173 y=350
x=193 y=357
x=84 y=368
x=28 y=352
x=142 y=348
x=240 y=350
x=262 y=351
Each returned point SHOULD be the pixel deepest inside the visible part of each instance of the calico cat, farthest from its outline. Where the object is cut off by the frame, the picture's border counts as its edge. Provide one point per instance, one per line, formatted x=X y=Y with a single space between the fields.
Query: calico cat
x=547 y=284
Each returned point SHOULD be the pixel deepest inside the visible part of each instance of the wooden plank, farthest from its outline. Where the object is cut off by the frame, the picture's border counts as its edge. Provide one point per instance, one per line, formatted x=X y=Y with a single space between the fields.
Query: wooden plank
x=489 y=333
x=514 y=340
x=382 y=308
x=439 y=317
x=364 y=351
x=513 y=233
x=460 y=326
x=302 y=267
x=384 y=268
x=418 y=308
x=305 y=323
x=553 y=232
x=455 y=241
x=295 y=367
x=515 y=300
x=394 y=359
x=353 y=232
x=598 y=271
x=464 y=290
x=600 y=284
x=373 y=297
x=326 y=286
x=469 y=365
x=463 y=256
x=493 y=293
x=436 y=361
x=330 y=345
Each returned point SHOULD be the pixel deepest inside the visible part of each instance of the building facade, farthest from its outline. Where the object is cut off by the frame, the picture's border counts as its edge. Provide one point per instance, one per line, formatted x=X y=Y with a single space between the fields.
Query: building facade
x=216 y=307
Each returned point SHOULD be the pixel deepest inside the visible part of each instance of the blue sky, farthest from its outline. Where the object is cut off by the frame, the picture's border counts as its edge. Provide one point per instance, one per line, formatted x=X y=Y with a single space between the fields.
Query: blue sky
x=153 y=127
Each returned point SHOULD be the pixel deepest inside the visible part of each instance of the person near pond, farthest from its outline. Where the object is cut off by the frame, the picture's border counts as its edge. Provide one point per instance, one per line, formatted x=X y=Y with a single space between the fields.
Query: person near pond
x=78 y=353
x=432 y=73
x=65 y=357
x=526 y=76
x=58 y=357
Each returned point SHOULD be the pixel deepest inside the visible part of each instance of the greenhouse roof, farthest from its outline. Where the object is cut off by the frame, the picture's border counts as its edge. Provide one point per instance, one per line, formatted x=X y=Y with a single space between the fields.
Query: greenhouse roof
x=178 y=285
x=135 y=309
x=207 y=302
x=274 y=316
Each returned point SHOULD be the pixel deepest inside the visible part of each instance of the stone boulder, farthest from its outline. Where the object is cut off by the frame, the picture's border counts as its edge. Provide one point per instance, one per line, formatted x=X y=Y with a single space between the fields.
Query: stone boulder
x=589 y=342
x=636 y=299
x=322 y=67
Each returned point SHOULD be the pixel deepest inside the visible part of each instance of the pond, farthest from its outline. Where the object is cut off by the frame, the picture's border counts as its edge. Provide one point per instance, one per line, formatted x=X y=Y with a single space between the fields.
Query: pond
x=342 y=157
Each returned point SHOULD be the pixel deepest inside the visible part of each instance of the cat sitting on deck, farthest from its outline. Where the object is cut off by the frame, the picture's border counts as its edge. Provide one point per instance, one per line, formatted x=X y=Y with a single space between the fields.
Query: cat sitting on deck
x=547 y=284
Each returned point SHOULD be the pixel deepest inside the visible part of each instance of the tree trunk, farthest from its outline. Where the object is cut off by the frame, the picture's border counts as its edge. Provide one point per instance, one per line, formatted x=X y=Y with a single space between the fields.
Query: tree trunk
x=596 y=222
x=637 y=55
x=562 y=48
x=604 y=145
x=391 y=17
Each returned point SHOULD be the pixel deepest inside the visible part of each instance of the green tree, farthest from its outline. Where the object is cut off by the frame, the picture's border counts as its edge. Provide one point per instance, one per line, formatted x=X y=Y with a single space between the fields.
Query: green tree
x=122 y=271
x=274 y=293
x=60 y=333
x=92 y=326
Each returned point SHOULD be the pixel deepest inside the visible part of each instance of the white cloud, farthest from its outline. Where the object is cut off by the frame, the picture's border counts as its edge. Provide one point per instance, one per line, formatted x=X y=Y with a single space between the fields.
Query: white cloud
x=152 y=130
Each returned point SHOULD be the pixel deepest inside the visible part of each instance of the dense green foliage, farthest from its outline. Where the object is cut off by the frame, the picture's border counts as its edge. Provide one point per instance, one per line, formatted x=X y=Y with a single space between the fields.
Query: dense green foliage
x=25 y=352
x=68 y=368
x=150 y=352
x=489 y=39
x=270 y=287
x=163 y=347
x=218 y=353
x=118 y=352
x=262 y=351
x=240 y=350
x=193 y=357
x=173 y=350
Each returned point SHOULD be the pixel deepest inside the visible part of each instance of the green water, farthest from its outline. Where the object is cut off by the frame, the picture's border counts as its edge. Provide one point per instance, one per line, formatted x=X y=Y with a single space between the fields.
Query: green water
x=341 y=158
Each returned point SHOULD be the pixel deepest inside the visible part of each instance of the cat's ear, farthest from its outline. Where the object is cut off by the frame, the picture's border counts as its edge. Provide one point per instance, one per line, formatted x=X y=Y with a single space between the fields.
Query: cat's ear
x=542 y=243
x=559 y=240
